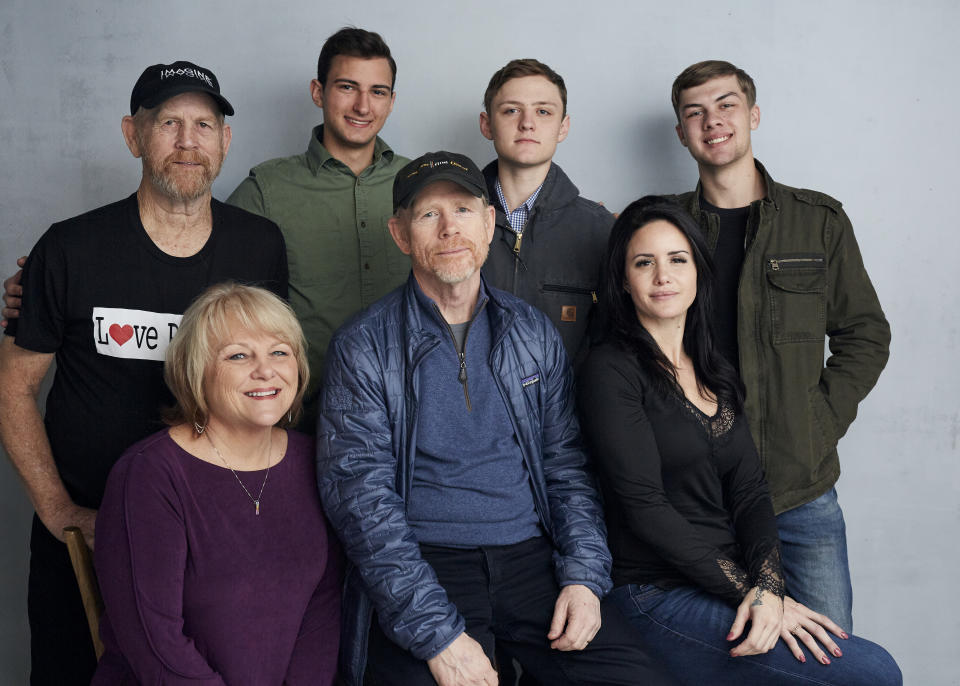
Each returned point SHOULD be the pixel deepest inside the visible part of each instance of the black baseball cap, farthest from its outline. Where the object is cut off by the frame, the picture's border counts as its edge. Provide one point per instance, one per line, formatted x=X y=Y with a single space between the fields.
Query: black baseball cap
x=161 y=82
x=437 y=166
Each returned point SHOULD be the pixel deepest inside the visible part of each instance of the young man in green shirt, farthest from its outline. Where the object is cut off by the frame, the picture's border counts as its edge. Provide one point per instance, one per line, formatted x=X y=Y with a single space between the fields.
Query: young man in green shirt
x=333 y=201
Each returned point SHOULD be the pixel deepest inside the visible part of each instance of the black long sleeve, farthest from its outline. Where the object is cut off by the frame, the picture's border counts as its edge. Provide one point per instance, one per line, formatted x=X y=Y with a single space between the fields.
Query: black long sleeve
x=685 y=495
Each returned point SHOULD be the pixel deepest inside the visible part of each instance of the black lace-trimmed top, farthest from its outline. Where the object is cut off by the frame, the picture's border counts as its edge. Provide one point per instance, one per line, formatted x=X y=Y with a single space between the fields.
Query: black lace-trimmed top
x=685 y=498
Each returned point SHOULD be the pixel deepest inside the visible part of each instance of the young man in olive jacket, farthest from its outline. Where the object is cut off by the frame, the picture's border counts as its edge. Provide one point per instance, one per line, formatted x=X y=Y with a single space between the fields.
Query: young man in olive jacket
x=789 y=277
x=548 y=240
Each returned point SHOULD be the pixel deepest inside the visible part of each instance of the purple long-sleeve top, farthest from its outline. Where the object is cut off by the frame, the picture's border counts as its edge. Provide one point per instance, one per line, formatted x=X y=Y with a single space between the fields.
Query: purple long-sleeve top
x=198 y=588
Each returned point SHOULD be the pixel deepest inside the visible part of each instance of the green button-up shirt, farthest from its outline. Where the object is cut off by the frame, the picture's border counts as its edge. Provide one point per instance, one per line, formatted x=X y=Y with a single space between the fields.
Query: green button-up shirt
x=340 y=253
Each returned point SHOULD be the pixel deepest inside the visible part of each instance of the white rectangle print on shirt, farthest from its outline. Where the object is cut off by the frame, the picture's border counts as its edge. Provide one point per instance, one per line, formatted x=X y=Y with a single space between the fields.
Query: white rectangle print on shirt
x=133 y=334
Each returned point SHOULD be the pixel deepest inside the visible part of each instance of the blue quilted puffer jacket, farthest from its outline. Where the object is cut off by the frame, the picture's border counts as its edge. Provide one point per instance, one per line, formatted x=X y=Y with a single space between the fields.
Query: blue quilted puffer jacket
x=366 y=442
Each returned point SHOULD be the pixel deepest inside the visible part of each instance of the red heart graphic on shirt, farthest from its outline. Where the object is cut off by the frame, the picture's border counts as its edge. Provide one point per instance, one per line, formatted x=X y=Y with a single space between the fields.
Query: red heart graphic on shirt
x=121 y=334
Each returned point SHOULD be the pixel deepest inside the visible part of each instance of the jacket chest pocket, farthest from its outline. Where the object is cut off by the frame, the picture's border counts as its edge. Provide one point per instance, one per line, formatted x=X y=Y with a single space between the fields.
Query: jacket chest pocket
x=796 y=286
x=565 y=302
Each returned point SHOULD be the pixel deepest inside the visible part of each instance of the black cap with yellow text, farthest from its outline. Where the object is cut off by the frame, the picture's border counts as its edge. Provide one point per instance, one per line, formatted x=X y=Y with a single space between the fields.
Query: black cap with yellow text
x=437 y=166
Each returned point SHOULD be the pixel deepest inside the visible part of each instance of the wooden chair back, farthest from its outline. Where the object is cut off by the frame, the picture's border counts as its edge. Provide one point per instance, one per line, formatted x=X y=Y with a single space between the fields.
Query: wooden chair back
x=82 y=563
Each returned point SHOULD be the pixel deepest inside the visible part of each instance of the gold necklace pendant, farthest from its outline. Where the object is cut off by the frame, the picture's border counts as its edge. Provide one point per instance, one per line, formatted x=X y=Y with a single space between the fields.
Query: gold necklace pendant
x=255 y=501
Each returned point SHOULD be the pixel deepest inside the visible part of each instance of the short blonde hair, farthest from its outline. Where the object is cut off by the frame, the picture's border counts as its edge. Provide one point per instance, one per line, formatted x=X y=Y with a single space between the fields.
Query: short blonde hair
x=206 y=323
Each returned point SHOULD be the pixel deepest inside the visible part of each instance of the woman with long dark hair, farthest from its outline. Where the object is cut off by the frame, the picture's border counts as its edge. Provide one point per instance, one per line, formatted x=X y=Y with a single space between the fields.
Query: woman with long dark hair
x=691 y=524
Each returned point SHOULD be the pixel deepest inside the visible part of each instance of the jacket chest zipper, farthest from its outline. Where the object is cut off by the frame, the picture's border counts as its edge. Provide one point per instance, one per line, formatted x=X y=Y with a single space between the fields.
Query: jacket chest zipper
x=516 y=244
x=462 y=354
x=571 y=289
x=462 y=376
x=517 y=262
x=787 y=262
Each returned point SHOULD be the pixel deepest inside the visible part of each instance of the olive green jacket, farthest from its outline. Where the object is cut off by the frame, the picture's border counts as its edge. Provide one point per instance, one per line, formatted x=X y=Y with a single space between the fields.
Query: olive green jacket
x=802 y=281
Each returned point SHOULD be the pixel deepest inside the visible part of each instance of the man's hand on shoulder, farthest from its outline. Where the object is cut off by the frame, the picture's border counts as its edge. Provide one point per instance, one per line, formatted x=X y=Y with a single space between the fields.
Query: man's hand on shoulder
x=576 y=618
x=463 y=663
x=12 y=291
x=616 y=215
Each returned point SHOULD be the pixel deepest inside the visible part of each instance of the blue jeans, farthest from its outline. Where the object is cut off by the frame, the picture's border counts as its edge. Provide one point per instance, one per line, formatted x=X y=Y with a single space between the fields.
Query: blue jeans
x=813 y=549
x=687 y=627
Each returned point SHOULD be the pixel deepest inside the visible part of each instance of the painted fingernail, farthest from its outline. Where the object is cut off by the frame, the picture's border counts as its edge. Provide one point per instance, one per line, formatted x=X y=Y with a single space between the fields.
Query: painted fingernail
x=836 y=651
x=802 y=659
x=730 y=636
x=843 y=634
x=825 y=660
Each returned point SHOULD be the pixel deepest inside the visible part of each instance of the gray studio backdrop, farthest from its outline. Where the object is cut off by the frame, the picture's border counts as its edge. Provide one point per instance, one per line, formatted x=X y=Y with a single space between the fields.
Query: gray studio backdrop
x=858 y=99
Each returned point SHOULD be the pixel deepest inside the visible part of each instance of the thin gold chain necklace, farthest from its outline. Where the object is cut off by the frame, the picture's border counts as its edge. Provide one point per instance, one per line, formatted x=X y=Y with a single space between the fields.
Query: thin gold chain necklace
x=255 y=501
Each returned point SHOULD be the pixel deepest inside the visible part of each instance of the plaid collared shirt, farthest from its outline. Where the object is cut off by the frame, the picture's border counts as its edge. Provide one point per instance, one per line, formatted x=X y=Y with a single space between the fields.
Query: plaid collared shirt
x=518 y=216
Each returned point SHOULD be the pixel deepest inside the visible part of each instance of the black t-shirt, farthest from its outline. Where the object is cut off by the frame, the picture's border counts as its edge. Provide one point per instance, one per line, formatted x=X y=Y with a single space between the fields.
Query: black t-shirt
x=684 y=494
x=728 y=261
x=101 y=295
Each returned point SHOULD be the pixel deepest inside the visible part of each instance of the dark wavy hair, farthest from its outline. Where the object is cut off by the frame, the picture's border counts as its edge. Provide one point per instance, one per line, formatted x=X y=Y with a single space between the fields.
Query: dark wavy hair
x=354 y=42
x=619 y=317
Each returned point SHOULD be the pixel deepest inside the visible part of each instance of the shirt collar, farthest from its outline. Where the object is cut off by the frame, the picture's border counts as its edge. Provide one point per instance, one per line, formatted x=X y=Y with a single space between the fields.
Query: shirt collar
x=526 y=204
x=318 y=156
x=517 y=217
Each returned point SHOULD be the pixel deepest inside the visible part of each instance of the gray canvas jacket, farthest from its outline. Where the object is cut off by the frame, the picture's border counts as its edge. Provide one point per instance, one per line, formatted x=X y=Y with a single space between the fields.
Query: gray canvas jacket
x=555 y=264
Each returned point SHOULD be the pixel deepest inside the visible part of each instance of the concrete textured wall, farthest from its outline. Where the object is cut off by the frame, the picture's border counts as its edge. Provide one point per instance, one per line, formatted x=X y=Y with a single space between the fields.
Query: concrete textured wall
x=858 y=99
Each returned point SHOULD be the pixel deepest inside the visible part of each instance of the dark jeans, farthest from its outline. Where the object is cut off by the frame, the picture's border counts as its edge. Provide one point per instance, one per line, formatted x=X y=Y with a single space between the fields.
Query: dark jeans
x=506 y=594
x=61 y=649
x=687 y=628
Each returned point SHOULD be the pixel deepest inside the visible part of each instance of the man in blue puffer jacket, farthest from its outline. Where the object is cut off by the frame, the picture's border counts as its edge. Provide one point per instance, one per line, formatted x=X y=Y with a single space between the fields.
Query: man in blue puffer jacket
x=450 y=464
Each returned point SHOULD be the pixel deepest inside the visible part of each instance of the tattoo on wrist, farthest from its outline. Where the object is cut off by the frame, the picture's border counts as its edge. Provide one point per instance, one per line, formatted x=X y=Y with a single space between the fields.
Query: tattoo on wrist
x=758 y=598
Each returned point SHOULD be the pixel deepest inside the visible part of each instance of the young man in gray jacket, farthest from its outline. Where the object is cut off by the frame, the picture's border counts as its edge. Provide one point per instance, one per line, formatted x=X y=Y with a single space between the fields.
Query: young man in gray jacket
x=789 y=276
x=548 y=240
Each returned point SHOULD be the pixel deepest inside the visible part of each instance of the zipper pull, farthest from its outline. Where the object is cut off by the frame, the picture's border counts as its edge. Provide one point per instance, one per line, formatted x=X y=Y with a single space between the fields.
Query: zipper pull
x=462 y=376
x=516 y=244
x=775 y=265
x=593 y=296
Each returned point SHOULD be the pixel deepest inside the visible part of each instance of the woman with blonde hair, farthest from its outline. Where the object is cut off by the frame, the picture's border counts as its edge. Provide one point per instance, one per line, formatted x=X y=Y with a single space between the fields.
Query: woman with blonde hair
x=213 y=554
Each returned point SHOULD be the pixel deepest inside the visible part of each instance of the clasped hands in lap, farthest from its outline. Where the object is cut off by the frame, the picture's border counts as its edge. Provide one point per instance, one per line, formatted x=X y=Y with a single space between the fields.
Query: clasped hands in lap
x=773 y=619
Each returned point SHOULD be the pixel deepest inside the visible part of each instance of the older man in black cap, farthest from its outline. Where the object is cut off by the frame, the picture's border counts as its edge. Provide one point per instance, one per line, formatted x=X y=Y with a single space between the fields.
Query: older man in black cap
x=103 y=294
x=450 y=464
